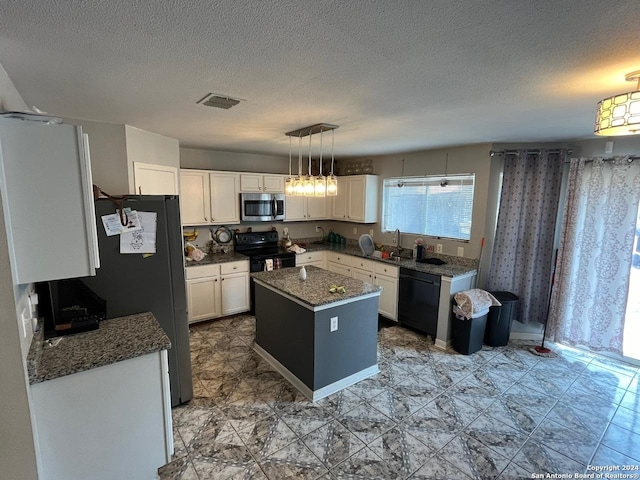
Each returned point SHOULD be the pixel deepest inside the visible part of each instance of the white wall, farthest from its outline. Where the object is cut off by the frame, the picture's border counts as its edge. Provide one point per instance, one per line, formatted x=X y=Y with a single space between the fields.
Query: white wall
x=17 y=449
x=233 y=161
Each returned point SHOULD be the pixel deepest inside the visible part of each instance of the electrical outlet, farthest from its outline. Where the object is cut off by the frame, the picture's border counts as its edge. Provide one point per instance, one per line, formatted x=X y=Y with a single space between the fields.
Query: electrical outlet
x=334 y=324
x=438 y=248
x=371 y=232
x=355 y=230
x=461 y=251
x=317 y=228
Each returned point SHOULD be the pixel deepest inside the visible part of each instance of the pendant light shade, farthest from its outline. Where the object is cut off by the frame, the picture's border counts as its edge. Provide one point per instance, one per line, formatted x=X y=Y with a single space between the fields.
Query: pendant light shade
x=310 y=185
x=620 y=114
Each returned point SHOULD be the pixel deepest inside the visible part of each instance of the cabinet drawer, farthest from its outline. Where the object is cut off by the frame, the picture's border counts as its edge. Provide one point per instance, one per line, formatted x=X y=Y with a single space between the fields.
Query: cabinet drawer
x=234 y=267
x=384 y=269
x=362 y=263
x=202 y=271
x=340 y=258
x=308 y=257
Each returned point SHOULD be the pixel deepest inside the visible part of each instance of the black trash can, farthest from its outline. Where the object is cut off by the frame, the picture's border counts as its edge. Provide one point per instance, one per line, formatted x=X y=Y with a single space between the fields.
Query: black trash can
x=467 y=335
x=499 y=319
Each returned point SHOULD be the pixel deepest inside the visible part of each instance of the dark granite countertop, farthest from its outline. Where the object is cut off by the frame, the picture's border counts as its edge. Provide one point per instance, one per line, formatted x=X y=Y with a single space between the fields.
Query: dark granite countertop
x=455 y=266
x=214 y=258
x=314 y=291
x=116 y=340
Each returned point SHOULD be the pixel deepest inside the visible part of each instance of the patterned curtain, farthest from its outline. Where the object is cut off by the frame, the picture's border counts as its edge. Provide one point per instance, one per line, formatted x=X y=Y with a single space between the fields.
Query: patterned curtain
x=523 y=249
x=592 y=277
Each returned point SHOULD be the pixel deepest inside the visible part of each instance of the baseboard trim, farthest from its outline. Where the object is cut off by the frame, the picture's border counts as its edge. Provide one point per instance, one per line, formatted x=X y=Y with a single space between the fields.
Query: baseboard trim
x=315 y=395
x=442 y=345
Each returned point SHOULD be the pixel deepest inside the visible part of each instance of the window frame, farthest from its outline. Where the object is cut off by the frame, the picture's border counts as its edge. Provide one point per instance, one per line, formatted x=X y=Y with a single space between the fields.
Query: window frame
x=427 y=181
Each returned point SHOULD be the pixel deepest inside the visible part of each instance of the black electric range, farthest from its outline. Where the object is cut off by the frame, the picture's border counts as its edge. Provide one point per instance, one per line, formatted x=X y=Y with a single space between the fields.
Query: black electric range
x=260 y=247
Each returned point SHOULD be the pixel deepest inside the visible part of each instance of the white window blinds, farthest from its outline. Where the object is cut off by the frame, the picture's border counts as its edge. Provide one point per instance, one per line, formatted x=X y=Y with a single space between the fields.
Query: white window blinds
x=435 y=206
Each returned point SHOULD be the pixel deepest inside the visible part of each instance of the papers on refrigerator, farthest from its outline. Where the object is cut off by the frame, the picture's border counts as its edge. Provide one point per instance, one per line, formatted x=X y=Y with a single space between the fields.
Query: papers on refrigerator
x=113 y=223
x=143 y=240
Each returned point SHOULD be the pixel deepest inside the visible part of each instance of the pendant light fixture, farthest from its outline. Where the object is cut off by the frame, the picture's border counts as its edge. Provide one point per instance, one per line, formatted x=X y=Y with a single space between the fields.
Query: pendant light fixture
x=289 y=182
x=320 y=182
x=310 y=185
x=620 y=114
x=332 y=181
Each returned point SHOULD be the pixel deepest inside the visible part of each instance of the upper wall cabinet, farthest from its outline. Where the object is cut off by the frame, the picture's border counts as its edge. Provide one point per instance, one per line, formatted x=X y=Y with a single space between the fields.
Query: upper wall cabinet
x=306 y=208
x=208 y=197
x=261 y=183
x=124 y=157
x=357 y=199
x=153 y=179
x=46 y=187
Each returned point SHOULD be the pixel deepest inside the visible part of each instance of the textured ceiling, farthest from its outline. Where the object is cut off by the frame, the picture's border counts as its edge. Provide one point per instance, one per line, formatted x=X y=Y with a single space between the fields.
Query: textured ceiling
x=395 y=75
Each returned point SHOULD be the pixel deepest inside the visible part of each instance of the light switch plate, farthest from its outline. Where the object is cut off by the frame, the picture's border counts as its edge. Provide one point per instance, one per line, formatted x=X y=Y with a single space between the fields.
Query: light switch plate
x=355 y=230
x=460 y=251
x=371 y=232
x=438 y=248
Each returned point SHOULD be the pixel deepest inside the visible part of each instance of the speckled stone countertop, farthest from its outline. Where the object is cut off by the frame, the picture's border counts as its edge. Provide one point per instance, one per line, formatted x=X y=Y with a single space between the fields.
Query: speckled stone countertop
x=117 y=339
x=455 y=266
x=314 y=291
x=214 y=258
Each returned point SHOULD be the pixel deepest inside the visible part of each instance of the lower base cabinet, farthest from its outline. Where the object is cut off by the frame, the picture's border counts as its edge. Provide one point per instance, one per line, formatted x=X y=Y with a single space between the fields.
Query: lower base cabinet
x=217 y=290
x=381 y=274
x=109 y=422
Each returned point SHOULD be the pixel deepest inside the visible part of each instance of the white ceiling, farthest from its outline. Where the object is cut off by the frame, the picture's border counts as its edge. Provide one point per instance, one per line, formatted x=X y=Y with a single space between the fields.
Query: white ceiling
x=395 y=75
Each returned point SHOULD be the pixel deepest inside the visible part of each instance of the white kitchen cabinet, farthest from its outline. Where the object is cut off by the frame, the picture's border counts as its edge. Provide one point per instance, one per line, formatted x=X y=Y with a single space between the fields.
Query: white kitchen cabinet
x=109 y=422
x=203 y=298
x=151 y=179
x=386 y=276
x=195 y=201
x=261 y=183
x=305 y=208
x=339 y=268
x=357 y=199
x=362 y=275
x=316 y=259
x=217 y=290
x=46 y=188
x=234 y=285
x=225 y=201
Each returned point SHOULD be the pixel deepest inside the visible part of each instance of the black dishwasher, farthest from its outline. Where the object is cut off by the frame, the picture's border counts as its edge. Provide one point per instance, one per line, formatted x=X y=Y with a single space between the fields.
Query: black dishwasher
x=418 y=300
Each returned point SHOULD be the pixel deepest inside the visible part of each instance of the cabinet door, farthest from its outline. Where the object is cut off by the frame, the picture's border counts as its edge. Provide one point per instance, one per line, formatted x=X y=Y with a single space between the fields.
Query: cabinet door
x=194 y=198
x=356 y=204
x=45 y=182
x=362 y=275
x=336 y=267
x=225 y=201
x=250 y=182
x=388 y=305
x=273 y=184
x=316 y=208
x=235 y=293
x=295 y=209
x=203 y=298
x=152 y=179
x=340 y=200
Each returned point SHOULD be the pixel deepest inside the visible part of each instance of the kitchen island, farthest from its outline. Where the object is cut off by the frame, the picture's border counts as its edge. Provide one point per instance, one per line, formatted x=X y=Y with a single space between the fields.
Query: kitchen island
x=319 y=341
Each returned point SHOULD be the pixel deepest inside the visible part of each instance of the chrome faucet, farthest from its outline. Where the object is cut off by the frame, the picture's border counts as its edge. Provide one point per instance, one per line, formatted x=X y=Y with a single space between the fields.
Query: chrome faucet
x=396 y=240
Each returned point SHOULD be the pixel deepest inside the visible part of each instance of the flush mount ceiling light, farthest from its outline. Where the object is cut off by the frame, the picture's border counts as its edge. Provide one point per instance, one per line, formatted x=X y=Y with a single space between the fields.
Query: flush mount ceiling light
x=620 y=114
x=310 y=185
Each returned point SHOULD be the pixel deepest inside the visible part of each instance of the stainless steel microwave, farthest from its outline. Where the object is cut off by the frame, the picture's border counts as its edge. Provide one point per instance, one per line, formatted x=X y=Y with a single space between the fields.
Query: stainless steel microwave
x=261 y=207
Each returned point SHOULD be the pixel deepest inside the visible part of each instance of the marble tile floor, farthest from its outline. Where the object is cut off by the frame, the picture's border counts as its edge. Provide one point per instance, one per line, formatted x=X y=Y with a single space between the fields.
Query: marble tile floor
x=499 y=413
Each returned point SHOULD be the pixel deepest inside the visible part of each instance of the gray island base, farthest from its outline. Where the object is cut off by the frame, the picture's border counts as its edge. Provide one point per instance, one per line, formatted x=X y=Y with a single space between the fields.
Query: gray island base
x=296 y=330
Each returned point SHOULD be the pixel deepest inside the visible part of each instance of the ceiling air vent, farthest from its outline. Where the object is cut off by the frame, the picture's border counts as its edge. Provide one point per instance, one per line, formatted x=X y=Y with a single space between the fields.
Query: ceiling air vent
x=218 y=101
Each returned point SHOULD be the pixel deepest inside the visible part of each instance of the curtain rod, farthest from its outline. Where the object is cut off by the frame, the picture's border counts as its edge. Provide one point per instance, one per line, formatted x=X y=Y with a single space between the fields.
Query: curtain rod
x=630 y=159
x=494 y=153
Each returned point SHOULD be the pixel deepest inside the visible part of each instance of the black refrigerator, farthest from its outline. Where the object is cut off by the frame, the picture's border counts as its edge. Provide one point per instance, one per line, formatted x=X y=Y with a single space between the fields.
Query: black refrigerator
x=131 y=283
